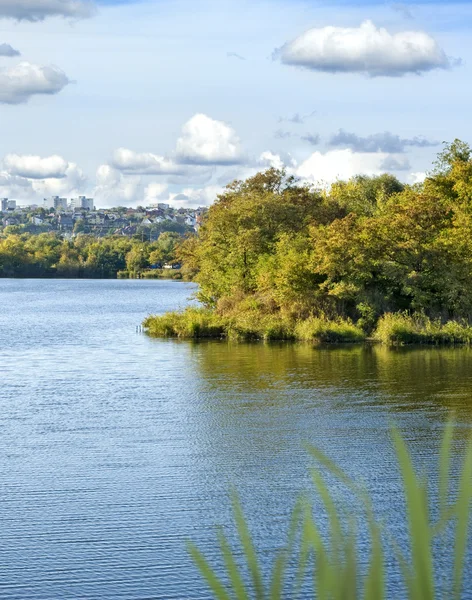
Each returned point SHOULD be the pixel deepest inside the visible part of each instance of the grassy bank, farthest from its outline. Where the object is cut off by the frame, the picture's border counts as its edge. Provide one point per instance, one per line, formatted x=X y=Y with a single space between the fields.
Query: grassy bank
x=403 y=329
x=392 y=328
x=333 y=561
x=152 y=274
x=250 y=325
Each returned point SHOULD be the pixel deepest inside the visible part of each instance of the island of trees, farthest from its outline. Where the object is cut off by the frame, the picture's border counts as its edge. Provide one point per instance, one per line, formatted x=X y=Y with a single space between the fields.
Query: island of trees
x=368 y=257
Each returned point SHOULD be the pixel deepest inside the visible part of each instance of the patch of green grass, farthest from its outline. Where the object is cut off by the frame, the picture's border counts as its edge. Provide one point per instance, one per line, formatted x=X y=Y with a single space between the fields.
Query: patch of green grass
x=320 y=329
x=401 y=328
x=251 y=324
x=333 y=562
x=191 y=323
x=162 y=274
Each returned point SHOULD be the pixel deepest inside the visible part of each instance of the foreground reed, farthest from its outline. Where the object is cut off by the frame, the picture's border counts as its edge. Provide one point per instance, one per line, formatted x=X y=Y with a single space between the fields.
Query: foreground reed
x=333 y=562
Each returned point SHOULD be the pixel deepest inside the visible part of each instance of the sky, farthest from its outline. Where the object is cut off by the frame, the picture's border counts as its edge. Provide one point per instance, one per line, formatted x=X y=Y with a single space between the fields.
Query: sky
x=137 y=102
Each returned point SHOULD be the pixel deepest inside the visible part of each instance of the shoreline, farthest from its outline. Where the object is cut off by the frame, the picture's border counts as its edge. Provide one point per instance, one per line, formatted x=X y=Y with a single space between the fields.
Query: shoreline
x=392 y=329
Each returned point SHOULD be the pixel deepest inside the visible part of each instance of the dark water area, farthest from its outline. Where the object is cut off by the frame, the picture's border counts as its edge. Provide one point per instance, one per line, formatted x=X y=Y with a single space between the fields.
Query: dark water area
x=116 y=448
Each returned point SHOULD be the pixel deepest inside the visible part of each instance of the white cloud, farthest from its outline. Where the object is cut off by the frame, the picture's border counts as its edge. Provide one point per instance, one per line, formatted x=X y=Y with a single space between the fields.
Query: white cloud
x=24 y=80
x=324 y=169
x=195 y=197
x=144 y=163
x=114 y=189
x=205 y=141
x=35 y=167
x=8 y=51
x=269 y=159
x=366 y=49
x=155 y=191
x=72 y=184
x=417 y=177
x=38 y=10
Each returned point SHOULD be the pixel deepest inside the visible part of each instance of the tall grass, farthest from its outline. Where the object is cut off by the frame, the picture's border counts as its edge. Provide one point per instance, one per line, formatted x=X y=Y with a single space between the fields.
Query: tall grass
x=192 y=323
x=332 y=561
x=402 y=328
x=331 y=331
x=251 y=325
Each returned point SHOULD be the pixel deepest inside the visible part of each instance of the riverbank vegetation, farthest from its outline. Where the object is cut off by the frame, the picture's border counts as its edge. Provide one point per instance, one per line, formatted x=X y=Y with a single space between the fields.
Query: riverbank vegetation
x=250 y=325
x=323 y=545
x=52 y=255
x=369 y=257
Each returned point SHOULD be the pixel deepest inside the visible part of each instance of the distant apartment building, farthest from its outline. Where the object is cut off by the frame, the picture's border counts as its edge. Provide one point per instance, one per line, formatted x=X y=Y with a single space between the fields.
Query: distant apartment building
x=8 y=204
x=55 y=202
x=60 y=203
x=82 y=203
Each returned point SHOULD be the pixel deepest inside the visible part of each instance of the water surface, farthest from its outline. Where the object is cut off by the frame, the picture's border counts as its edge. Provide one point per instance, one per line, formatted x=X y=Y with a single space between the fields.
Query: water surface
x=115 y=448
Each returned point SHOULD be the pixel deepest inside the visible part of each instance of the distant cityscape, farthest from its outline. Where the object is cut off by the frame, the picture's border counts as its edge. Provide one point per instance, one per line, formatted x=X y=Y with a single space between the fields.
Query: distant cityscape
x=79 y=215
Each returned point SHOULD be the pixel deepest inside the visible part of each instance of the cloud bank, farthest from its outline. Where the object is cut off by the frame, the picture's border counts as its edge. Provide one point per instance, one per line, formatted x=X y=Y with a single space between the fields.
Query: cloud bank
x=35 y=167
x=367 y=49
x=38 y=10
x=19 y=83
x=379 y=142
x=144 y=163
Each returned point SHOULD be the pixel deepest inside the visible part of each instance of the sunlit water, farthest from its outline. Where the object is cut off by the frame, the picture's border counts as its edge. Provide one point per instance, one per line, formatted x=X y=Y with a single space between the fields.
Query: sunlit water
x=116 y=448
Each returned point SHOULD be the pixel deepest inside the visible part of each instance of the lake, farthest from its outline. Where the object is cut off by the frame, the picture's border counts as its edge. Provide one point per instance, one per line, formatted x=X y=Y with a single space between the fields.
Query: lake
x=116 y=448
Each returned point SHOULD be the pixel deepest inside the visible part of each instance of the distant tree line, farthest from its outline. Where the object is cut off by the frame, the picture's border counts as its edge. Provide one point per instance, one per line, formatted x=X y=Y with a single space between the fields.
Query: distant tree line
x=50 y=255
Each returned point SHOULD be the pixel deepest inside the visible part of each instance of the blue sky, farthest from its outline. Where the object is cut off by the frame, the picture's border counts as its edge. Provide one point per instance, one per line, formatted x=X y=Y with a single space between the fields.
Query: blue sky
x=138 y=102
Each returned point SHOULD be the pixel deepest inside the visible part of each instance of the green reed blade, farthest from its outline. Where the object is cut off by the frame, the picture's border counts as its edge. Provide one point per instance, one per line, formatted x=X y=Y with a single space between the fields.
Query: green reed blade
x=237 y=583
x=420 y=534
x=374 y=588
x=248 y=548
x=406 y=571
x=348 y=587
x=208 y=574
x=322 y=571
x=335 y=525
x=462 y=519
x=306 y=544
x=277 y=582
x=280 y=566
x=445 y=467
x=332 y=467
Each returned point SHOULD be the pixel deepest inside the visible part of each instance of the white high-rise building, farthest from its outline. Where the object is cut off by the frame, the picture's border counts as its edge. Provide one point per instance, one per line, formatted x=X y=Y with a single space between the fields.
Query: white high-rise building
x=82 y=203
